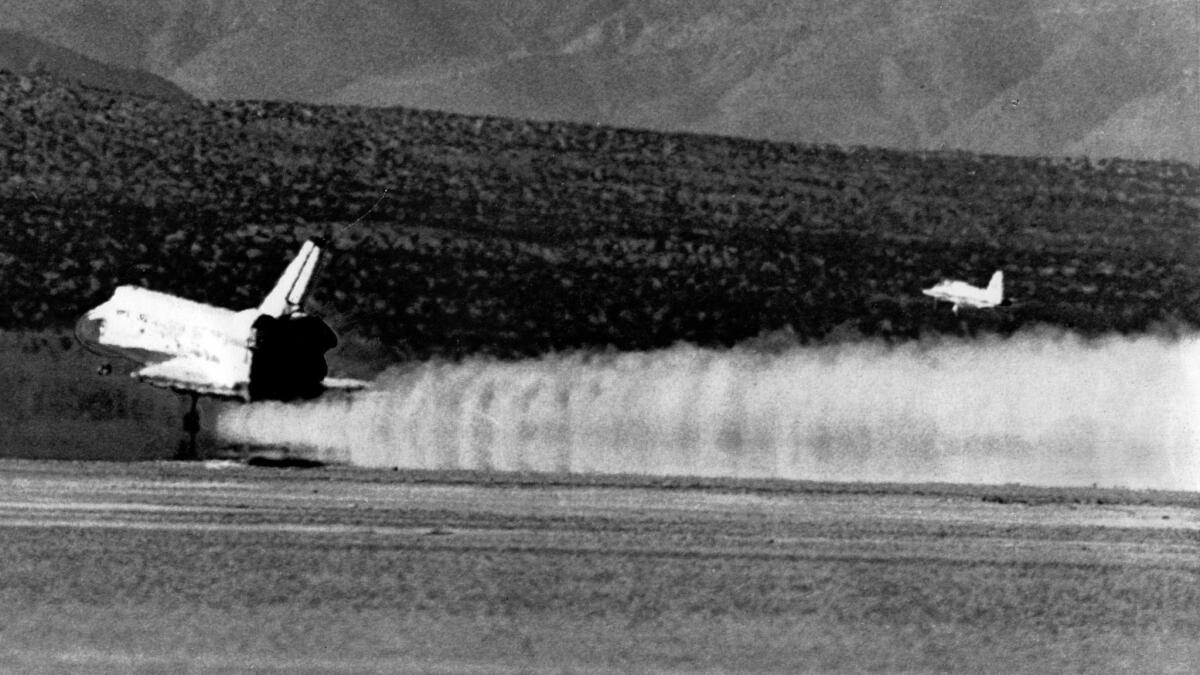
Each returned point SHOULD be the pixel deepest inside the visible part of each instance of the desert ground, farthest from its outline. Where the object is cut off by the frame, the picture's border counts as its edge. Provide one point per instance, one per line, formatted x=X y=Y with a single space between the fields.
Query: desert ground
x=223 y=567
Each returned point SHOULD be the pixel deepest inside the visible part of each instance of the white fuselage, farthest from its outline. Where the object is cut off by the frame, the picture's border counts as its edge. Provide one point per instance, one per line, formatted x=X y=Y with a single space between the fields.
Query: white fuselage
x=189 y=344
x=962 y=294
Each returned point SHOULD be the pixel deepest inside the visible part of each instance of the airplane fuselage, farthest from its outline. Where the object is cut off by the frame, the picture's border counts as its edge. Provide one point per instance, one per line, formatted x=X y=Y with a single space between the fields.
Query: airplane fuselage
x=962 y=294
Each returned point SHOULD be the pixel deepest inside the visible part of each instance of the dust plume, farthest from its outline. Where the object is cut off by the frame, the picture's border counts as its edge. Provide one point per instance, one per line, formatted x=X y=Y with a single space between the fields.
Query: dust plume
x=1037 y=408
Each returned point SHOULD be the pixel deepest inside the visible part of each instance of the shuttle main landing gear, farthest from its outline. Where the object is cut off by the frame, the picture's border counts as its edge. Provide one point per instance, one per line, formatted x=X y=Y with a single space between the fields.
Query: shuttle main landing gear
x=188 y=450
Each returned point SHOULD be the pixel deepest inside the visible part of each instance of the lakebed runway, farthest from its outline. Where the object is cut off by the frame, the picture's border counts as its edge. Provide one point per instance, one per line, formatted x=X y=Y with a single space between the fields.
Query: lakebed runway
x=223 y=568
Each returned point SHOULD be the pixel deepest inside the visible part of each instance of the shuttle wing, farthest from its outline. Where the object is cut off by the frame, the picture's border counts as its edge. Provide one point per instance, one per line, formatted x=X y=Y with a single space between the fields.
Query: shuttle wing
x=343 y=384
x=195 y=376
x=201 y=377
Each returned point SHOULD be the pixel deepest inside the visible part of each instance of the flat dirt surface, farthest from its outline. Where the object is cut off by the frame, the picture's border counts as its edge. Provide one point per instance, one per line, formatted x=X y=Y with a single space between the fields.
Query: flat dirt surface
x=217 y=567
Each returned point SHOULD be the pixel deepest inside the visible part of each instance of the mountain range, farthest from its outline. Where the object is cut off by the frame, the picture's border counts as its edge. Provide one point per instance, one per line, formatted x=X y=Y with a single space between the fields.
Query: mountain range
x=21 y=53
x=1027 y=77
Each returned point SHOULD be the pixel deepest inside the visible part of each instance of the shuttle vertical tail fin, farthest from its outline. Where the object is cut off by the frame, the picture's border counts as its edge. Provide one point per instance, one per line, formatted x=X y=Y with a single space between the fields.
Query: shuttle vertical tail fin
x=995 y=288
x=293 y=286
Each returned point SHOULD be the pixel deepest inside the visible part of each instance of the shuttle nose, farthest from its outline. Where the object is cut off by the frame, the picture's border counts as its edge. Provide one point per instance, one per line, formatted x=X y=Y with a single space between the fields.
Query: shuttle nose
x=88 y=329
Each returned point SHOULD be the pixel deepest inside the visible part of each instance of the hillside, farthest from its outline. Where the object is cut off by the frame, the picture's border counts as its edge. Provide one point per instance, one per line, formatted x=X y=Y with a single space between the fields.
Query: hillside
x=489 y=235
x=23 y=54
x=1027 y=77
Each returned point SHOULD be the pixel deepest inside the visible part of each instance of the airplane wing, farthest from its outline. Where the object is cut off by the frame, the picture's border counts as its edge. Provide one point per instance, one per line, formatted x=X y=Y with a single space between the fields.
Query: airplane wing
x=192 y=375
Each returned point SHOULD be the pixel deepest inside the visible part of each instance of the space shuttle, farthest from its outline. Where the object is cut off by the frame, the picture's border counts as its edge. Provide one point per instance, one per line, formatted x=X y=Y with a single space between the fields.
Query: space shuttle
x=962 y=294
x=275 y=351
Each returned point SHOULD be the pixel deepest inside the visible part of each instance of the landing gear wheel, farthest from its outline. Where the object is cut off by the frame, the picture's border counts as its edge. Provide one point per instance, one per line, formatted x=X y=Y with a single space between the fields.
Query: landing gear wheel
x=188 y=450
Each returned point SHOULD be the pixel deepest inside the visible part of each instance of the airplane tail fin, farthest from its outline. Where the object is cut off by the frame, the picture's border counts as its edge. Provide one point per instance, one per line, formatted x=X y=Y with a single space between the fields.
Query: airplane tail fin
x=293 y=286
x=995 y=288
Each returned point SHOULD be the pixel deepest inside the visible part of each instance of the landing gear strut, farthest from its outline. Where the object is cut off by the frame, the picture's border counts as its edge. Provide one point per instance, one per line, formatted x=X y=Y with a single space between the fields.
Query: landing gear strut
x=188 y=449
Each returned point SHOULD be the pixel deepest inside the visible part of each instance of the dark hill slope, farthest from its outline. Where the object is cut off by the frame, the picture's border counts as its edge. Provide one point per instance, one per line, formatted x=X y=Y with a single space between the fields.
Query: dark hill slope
x=23 y=54
x=512 y=237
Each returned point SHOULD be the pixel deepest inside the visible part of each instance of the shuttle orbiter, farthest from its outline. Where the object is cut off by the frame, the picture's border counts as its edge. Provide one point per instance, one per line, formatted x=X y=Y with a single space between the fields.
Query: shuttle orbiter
x=272 y=352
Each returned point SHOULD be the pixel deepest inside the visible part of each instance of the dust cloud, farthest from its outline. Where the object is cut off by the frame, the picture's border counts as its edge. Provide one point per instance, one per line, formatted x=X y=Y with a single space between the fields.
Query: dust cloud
x=1036 y=408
